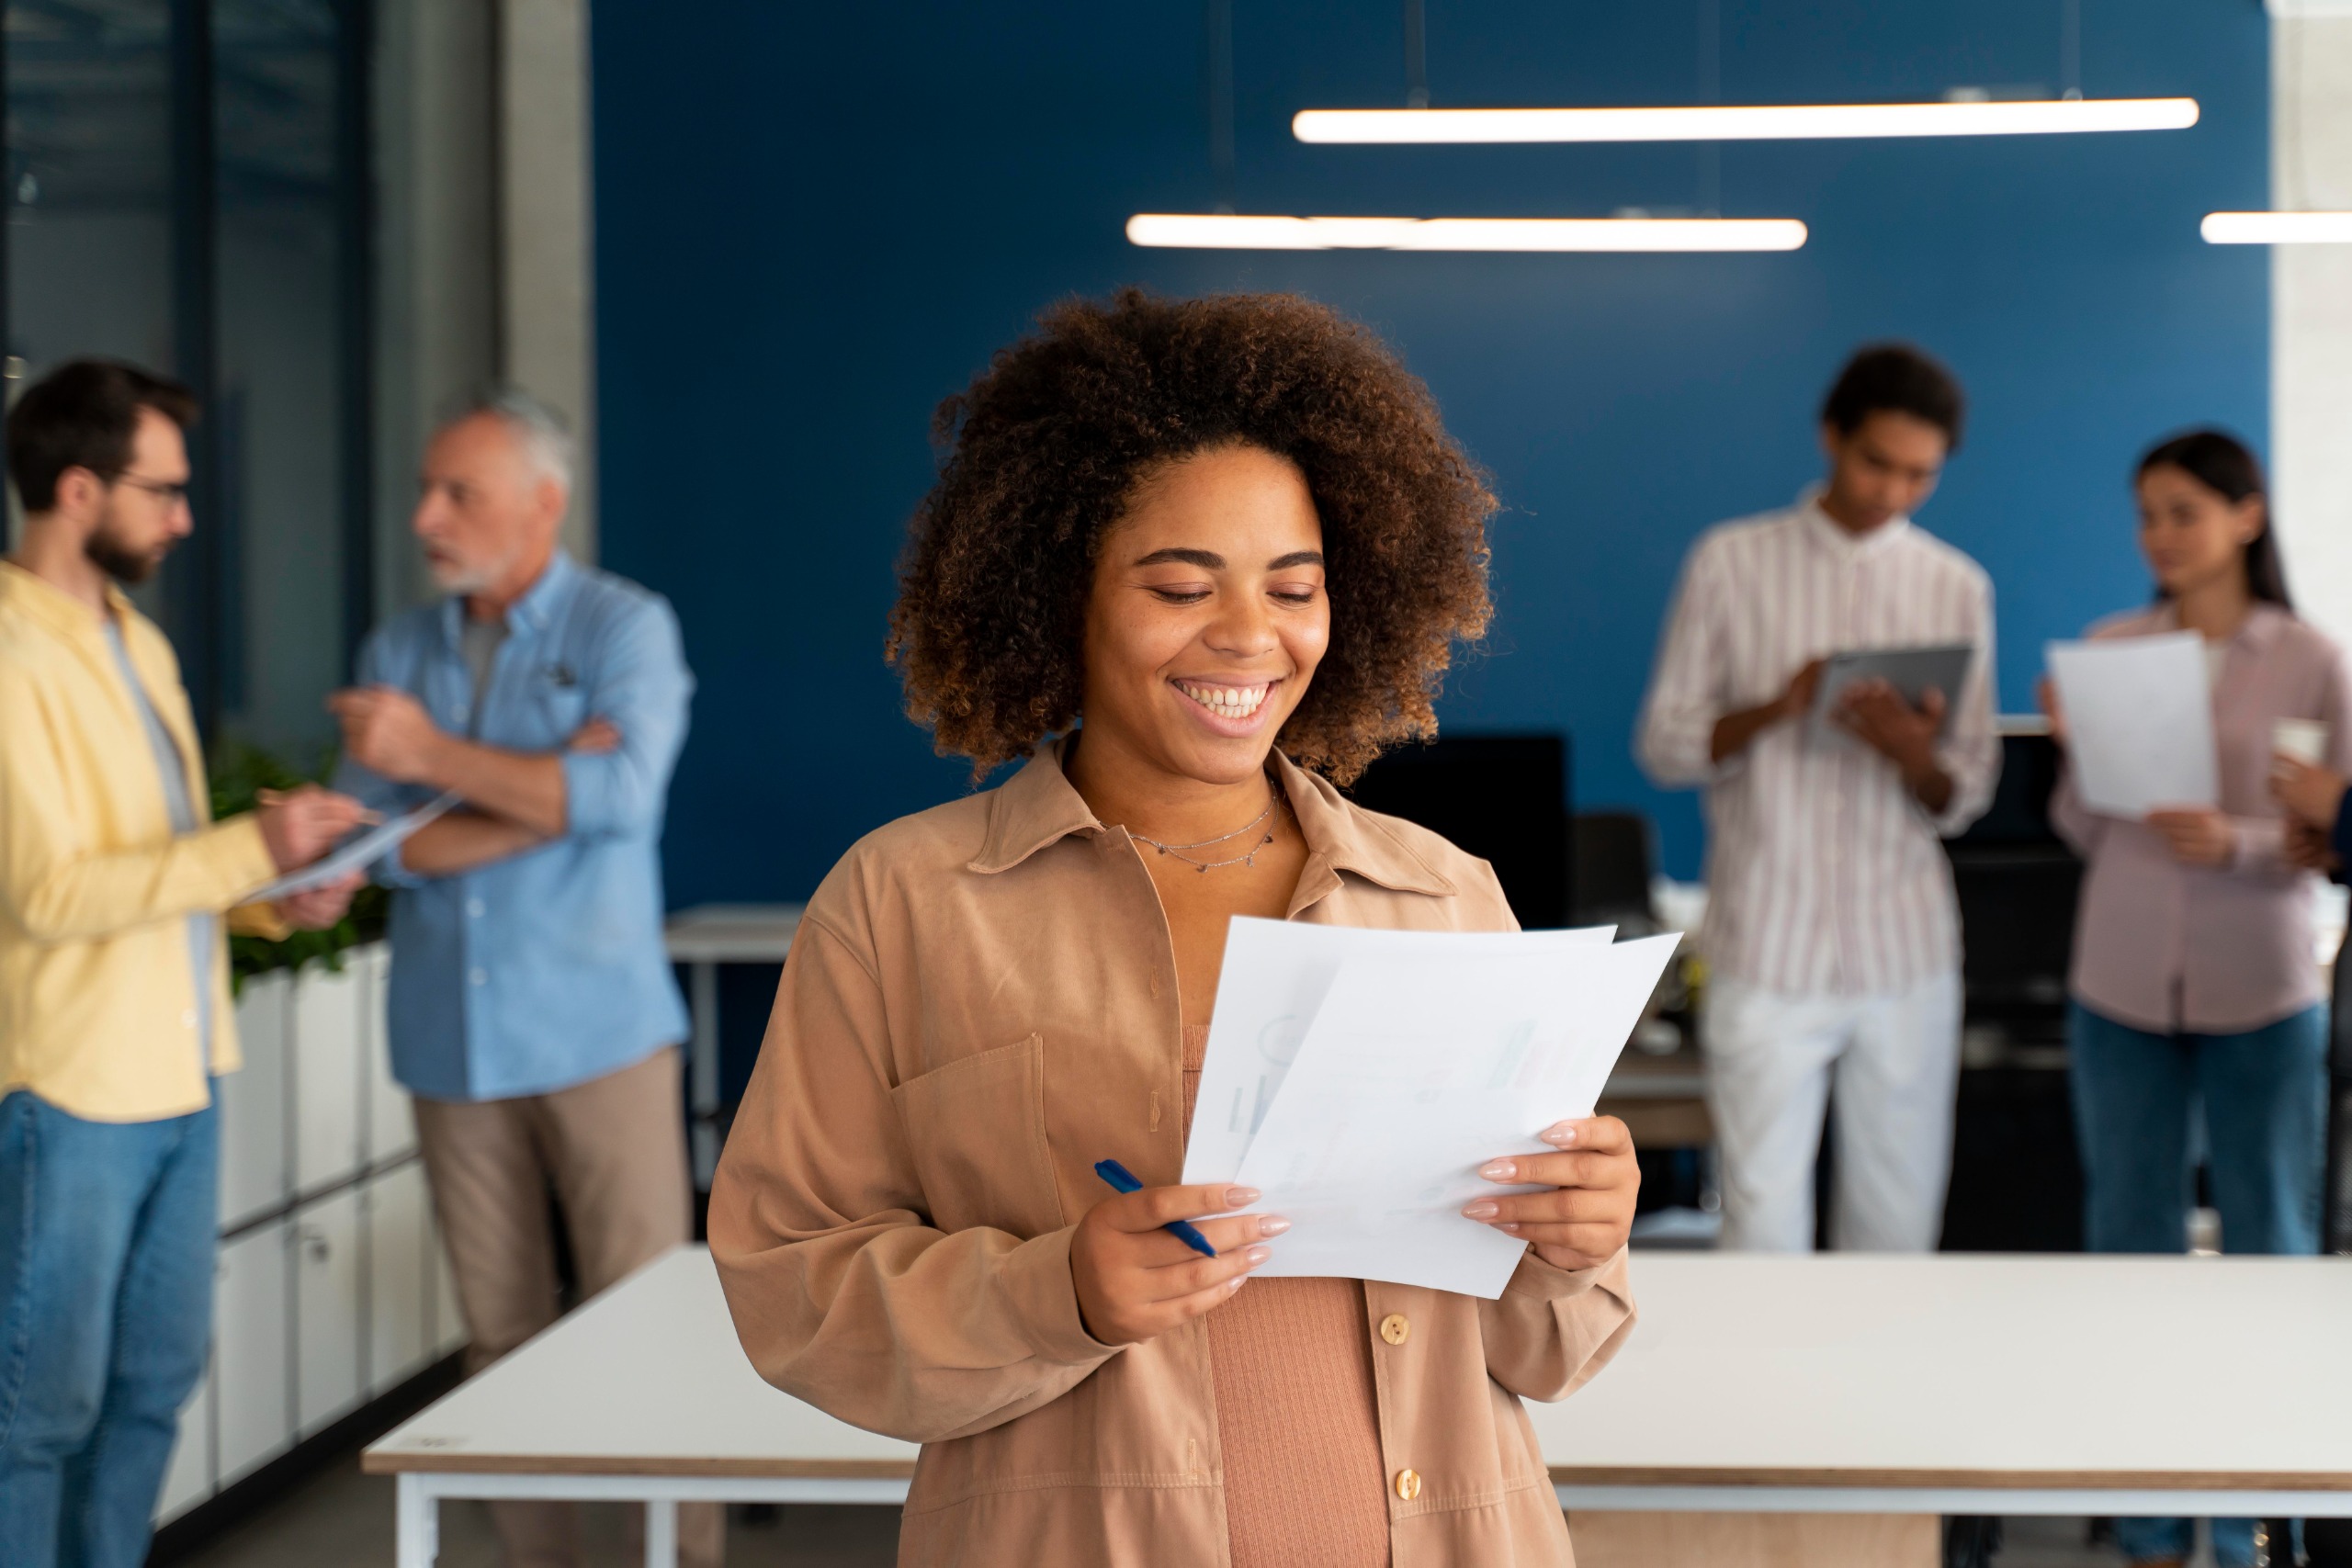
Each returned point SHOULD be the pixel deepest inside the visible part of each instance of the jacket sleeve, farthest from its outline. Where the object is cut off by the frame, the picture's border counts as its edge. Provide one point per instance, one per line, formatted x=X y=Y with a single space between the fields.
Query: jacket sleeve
x=2083 y=829
x=1552 y=1330
x=1688 y=685
x=58 y=886
x=842 y=1291
x=642 y=686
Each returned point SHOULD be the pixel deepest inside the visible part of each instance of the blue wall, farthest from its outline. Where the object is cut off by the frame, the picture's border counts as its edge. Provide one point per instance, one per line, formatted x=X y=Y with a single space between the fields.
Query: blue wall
x=813 y=223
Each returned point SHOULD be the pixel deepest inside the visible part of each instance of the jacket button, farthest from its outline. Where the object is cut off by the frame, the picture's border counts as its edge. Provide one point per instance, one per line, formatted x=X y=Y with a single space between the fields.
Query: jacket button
x=1396 y=1329
x=1408 y=1485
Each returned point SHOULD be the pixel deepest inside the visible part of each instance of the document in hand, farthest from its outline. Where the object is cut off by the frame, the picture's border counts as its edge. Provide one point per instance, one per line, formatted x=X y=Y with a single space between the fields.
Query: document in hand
x=2139 y=715
x=358 y=853
x=1361 y=1078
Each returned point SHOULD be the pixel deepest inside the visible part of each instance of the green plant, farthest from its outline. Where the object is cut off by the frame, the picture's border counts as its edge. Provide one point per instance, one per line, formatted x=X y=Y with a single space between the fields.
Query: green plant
x=239 y=772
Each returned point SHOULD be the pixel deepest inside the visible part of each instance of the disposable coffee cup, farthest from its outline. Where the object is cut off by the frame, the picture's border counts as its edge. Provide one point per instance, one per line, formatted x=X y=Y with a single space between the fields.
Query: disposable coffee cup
x=2304 y=739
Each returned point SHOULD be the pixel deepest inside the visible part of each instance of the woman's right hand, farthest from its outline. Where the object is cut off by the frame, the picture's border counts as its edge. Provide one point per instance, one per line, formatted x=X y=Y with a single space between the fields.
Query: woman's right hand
x=1136 y=1282
x=2311 y=794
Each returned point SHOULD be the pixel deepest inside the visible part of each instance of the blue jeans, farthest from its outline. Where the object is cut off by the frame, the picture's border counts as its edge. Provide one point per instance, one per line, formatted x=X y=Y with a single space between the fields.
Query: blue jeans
x=2265 y=1093
x=106 y=1243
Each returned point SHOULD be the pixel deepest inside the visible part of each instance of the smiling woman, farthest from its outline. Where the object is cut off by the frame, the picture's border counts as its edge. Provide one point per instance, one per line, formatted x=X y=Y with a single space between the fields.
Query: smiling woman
x=1055 y=440
x=1213 y=544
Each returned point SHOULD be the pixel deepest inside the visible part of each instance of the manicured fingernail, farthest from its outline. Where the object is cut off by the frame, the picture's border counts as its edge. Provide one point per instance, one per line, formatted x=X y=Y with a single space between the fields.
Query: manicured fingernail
x=1482 y=1210
x=1563 y=1135
x=1236 y=1283
x=1272 y=1224
x=1257 y=1254
x=1498 y=1169
x=1241 y=1197
x=1511 y=1226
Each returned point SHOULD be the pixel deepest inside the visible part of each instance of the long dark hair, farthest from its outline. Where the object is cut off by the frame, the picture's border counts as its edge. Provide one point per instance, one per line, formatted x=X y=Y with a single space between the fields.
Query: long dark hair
x=2228 y=467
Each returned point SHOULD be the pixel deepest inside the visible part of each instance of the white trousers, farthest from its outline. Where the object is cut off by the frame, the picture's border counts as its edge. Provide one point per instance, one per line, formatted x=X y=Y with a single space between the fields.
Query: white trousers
x=1771 y=1058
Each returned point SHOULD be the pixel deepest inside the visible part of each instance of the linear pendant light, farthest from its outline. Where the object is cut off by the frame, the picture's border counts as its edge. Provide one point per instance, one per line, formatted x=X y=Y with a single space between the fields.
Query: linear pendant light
x=2278 y=228
x=1751 y=122
x=1244 y=232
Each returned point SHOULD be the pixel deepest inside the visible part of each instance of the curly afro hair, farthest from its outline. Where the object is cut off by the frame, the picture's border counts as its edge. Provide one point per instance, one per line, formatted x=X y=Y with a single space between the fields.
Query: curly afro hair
x=1046 y=447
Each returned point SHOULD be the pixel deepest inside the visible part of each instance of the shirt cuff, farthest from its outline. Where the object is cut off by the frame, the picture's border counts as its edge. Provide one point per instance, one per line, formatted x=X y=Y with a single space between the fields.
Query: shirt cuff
x=1541 y=1280
x=1045 y=1294
x=245 y=860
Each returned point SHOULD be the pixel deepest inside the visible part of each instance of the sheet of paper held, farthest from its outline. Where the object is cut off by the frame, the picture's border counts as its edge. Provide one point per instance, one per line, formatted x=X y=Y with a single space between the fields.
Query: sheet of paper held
x=1276 y=973
x=1417 y=1070
x=356 y=854
x=2139 y=715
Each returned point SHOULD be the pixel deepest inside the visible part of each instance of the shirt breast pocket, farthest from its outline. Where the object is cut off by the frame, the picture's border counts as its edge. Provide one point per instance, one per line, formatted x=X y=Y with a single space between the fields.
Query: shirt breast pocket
x=559 y=704
x=976 y=1129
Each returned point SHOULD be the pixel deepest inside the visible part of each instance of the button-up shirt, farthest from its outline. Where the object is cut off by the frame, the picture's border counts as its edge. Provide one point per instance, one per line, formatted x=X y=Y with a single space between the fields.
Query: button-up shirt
x=981 y=1002
x=1823 y=872
x=2161 y=945
x=546 y=969
x=101 y=1011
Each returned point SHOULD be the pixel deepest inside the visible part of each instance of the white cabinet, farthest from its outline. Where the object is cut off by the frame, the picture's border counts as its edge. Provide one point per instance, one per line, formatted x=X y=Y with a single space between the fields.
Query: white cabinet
x=250 y=1359
x=400 y=1277
x=333 y=1289
x=189 y=1480
x=327 y=1068
x=254 y=1170
x=328 y=1310
x=392 y=1119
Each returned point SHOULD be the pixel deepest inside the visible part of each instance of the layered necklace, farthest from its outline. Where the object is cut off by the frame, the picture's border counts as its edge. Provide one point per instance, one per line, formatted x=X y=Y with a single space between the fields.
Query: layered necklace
x=1248 y=858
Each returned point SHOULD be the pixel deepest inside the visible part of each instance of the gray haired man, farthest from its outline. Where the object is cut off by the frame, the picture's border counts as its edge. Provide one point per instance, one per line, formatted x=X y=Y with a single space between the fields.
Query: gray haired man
x=533 y=1011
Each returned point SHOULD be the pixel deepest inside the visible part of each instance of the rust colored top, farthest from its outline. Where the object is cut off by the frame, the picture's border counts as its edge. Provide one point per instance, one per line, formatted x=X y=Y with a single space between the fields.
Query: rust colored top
x=1296 y=1412
x=980 y=1003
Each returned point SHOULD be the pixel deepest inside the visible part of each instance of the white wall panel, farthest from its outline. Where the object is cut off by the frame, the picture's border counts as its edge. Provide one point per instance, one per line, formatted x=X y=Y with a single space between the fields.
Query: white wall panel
x=254 y=1166
x=249 y=1351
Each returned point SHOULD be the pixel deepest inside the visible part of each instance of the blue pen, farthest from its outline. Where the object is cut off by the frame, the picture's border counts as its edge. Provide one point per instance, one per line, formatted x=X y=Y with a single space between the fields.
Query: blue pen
x=1120 y=1177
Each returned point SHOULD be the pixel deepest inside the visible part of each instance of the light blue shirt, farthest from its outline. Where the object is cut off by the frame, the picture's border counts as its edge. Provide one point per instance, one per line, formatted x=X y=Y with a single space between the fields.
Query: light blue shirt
x=545 y=970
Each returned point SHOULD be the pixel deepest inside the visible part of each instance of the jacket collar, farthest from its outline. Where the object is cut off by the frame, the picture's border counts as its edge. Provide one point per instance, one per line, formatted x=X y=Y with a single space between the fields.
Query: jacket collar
x=56 y=609
x=1038 y=806
x=532 y=612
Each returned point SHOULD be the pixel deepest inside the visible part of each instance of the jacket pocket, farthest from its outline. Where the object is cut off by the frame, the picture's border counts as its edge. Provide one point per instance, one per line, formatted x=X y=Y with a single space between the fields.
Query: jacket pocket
x=977 y=1131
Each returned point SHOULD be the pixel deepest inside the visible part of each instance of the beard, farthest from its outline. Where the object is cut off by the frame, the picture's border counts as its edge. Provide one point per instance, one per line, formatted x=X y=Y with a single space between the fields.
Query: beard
x=119 y=561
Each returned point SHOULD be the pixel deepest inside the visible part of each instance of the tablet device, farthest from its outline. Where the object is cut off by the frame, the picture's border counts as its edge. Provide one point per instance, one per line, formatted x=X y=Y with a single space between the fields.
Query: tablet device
x=1912 y=671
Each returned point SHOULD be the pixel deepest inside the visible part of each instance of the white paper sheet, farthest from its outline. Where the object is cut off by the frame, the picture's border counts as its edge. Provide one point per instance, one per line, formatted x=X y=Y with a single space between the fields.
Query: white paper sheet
x=1276 y=973
x=356 y=854
x=1418 y=1069
x=2139 y=715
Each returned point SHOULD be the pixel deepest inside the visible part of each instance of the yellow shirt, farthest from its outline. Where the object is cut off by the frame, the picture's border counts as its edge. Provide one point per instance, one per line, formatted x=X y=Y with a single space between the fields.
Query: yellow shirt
x=97 y=1003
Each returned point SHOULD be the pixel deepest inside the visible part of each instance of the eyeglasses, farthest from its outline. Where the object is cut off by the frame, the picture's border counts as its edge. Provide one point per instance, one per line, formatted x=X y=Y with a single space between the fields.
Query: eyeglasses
x=169 y=494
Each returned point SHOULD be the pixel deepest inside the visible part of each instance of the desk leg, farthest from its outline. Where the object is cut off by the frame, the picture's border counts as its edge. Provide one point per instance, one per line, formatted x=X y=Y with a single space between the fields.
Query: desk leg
x=661 y=1532
x=419 y=1522
x=702 y=1076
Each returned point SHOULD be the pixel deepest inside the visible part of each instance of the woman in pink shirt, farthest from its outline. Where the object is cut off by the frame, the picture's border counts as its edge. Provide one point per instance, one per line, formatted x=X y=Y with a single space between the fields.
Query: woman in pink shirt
x=2193 y=974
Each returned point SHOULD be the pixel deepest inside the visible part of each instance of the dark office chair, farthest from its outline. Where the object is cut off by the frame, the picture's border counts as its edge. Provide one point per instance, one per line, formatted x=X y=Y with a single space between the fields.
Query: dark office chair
x=1610 y=861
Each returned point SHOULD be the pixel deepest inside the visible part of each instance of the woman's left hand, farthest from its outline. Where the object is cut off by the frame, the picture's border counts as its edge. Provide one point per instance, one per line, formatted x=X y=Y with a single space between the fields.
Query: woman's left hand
x=1584 y=1220
x=2197 y=835
x=2314 y=794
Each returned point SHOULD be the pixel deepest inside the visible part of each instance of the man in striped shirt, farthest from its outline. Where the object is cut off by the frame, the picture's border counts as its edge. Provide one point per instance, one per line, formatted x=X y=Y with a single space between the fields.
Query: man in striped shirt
x=1831 y=933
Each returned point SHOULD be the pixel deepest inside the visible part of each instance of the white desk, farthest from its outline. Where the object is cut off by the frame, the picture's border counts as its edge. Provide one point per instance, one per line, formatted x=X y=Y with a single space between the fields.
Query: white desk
x=1816 y=1384
x=702 y=939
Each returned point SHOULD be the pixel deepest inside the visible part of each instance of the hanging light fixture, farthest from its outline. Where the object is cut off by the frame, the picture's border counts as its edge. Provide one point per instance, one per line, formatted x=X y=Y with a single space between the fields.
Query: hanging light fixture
x=2277 y=228
x=1225 y=230
x=1740 y=122
x=1244 y=232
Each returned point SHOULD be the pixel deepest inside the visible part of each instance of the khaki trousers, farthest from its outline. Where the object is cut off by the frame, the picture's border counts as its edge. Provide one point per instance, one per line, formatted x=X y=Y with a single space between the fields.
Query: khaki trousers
x=613 y=1151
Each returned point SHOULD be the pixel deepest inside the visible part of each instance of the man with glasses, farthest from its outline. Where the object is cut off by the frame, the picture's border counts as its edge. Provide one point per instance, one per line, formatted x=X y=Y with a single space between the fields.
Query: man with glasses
x=113 y=981
x=534 y=1015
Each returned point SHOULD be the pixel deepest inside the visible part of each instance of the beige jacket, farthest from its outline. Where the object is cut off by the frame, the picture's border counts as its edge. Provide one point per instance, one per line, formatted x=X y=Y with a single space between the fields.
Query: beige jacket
x=979 y=1005
x=97 y=1007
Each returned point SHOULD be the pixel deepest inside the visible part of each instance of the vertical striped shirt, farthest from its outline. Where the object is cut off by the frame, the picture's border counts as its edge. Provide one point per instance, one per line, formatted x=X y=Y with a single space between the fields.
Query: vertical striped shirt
x=1823 y=872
